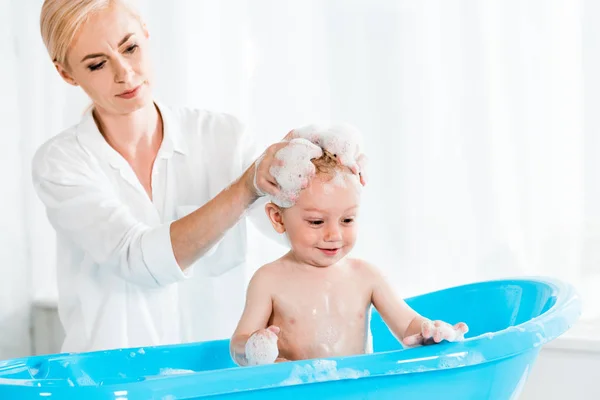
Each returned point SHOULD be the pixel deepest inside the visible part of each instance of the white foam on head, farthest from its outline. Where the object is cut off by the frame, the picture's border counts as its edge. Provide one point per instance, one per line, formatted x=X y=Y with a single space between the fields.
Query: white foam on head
x=342 y=179
x=262 y=349
x=308 y=142
x=341 y=140
x=296 y=171
x=339 y=179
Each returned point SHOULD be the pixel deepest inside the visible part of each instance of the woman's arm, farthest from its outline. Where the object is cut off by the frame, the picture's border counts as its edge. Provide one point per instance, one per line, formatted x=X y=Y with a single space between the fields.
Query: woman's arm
x=83 y=206
x=194 y=234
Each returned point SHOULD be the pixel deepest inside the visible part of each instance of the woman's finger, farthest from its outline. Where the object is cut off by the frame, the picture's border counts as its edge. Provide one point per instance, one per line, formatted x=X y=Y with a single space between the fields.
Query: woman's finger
x=267 y=187
x=362 y=162
x=289 y=136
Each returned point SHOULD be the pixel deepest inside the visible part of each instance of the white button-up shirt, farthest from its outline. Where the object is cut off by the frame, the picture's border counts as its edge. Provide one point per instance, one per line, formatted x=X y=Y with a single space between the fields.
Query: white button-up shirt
x=118 y=282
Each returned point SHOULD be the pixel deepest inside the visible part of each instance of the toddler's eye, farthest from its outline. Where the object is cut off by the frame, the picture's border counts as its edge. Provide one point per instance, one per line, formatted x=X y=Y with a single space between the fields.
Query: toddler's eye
x=315 y=223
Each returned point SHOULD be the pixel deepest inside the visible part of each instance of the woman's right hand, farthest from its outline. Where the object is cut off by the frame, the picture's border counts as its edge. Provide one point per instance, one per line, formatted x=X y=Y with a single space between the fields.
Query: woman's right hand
x=257 y=177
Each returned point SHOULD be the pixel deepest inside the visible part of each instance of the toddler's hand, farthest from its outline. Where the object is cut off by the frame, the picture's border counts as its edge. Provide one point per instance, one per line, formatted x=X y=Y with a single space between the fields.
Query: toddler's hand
x=261 y=347
x=435 y=332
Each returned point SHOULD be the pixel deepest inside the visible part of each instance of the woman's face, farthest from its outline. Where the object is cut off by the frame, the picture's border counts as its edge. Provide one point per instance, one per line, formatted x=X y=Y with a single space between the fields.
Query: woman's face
x=109 y=59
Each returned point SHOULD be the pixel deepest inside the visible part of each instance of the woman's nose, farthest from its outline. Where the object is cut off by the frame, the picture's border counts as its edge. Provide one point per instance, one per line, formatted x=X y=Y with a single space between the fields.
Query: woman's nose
x=123 y=70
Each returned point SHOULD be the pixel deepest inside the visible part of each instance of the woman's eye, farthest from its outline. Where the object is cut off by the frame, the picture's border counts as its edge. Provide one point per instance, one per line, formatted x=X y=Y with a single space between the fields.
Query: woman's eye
x=131 y=49
x=95 y=67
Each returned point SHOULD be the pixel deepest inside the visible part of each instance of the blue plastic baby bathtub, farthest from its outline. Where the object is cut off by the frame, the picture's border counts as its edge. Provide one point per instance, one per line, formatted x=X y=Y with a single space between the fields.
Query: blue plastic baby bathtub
x=509 y=320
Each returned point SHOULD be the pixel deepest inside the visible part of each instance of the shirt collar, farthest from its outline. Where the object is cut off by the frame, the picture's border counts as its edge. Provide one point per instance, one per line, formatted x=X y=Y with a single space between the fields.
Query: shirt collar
x=172 y=131
x=89 y=134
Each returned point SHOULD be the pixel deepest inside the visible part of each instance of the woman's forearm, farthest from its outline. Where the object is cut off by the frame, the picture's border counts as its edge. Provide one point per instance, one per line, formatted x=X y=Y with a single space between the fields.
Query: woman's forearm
x=193 y=235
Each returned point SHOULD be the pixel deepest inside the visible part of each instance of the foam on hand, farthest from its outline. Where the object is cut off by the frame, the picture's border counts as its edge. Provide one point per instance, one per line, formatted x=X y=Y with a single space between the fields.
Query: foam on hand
x=296 y=171
x=447 y=331
x=261 y=348
x=343 y=141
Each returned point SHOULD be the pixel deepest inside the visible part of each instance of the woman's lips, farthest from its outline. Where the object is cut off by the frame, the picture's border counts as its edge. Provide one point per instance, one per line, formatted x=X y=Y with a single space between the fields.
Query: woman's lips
x=129 y=94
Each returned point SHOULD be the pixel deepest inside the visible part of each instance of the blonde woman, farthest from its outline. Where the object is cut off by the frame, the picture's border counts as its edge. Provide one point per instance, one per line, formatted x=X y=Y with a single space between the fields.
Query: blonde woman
x=148 y=201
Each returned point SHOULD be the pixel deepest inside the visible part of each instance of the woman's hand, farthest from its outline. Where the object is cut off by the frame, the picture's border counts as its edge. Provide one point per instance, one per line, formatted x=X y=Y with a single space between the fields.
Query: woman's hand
x=259 y=181
x=435 y=331
x=257 y=178
x=362 y=162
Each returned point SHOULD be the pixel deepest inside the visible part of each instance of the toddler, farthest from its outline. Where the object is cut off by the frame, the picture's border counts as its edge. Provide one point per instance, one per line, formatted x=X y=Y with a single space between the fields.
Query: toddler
x=314 y=301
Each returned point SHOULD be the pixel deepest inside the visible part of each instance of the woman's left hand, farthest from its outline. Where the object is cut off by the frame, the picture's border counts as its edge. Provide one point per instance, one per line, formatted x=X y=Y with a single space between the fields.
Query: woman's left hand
x=360 y=168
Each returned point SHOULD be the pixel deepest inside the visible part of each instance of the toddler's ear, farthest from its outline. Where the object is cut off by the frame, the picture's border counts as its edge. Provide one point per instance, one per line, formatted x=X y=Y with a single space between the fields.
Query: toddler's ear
x=275 y=215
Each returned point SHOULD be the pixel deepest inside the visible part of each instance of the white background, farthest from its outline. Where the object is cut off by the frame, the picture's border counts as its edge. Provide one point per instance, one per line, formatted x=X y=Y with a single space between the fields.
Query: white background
x=480 y=117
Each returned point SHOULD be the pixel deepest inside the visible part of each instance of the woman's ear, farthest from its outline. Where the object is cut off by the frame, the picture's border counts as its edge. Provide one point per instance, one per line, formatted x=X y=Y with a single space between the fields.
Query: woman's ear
x=64 y=73
x=275 y=214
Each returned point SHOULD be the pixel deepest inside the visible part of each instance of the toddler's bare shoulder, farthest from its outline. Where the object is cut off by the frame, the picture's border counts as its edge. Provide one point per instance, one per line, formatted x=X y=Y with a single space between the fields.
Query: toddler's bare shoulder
x=269 y=271
x=363 y=268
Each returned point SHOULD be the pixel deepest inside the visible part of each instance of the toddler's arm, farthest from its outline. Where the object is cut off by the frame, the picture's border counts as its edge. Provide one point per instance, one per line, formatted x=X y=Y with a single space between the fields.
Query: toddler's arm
x=406 y=324
x=254 y=343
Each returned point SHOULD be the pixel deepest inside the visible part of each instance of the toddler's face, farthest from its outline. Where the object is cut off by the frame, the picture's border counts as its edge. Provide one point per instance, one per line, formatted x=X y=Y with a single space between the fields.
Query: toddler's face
x=321 y=226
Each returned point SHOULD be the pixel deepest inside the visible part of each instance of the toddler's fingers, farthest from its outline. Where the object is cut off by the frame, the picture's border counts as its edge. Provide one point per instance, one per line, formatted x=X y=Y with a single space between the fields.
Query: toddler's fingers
x=413 y=340
x=274 y=329
x=427 y=328
x=461 y=327
x=437 y=334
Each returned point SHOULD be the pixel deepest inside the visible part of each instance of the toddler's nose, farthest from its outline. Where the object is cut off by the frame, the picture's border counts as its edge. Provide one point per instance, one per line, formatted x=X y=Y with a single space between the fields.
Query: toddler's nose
x=333 y=233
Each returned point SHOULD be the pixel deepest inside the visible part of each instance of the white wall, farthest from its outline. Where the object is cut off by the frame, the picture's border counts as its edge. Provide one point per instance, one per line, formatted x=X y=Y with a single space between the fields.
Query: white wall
x=564 y=374
x=14 y=253
x=473 y=106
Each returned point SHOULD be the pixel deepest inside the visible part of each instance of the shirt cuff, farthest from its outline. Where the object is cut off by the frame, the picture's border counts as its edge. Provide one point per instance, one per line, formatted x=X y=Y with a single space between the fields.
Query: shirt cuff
x=157 y=251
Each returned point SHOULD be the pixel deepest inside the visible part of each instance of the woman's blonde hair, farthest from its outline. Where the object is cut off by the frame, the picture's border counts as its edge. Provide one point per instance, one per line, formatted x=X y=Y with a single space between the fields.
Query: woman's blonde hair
x=60 y=20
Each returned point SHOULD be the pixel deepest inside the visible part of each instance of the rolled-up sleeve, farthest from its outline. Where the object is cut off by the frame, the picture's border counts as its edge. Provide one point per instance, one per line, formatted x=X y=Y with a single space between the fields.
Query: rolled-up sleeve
x=83 y=206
